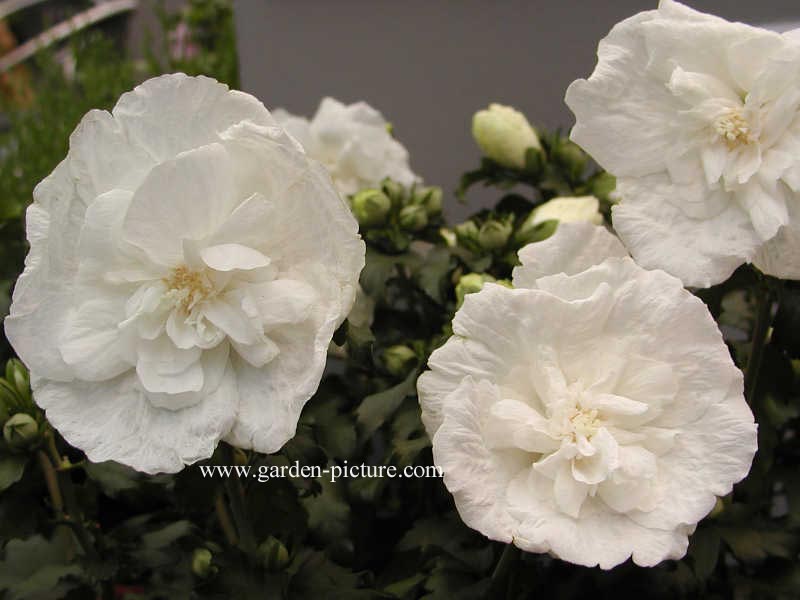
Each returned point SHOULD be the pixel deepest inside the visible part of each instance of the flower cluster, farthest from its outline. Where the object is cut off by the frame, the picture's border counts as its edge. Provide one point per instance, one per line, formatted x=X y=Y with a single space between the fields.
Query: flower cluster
x=353 y=142
x=194 y=257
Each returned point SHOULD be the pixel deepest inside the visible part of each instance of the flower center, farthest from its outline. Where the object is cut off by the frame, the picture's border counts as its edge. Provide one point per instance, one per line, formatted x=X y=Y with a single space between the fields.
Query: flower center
x=734 y=129
x=186 y=288
x=584 y=423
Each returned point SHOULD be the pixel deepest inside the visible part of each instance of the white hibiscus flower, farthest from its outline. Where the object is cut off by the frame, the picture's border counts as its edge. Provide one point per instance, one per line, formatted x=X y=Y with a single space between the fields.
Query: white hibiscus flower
x=353 y=142
x=188 y=267
x=592 y=412
x=699 y=119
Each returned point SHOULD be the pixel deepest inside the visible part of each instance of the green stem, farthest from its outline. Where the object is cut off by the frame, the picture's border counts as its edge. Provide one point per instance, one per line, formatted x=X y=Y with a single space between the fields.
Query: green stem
x=73 y=514
x=503 y=577
x=62 y=492
x=758 y=339
x=236 y=500
x=224 y=519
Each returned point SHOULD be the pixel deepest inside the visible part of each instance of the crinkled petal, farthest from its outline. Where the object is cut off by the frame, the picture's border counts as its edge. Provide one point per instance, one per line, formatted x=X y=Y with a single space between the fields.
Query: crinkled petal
x=574 y=247
x=700 y=252
x=115 y=420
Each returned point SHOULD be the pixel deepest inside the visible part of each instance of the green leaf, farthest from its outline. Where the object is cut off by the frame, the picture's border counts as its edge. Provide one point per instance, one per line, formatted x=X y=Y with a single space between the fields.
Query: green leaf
x=337 y=436
x=112 y=477
x=752 y=545
x=328 y=514
x=704 y=550
x=432 y=276
x=376 y=409
x=35 y=567
x=379 y=268
x=315 y=576
x=12 y=468
x=406 y=586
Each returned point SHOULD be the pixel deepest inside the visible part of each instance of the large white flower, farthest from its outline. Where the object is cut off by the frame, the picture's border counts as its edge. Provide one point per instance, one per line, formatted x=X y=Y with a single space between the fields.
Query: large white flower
x=592 y=412
x=353 y=142
x=699 y=119
x=188 y=267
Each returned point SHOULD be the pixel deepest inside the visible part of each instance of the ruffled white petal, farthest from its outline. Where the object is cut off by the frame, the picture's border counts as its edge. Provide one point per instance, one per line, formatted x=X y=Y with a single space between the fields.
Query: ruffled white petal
x=596 y=414
x=117 y=421
x=185 y=254
x=577 y=247
x=698 y=119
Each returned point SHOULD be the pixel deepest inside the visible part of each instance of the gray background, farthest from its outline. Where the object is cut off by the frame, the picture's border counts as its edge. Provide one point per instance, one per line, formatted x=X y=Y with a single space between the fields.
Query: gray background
x=428 y=65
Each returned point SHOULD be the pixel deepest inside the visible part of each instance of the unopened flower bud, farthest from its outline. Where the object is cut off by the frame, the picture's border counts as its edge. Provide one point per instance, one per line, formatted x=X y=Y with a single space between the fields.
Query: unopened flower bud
x=397 y=359
x=202 y=562
x=370 y=207
x=413 y=218
x=566 y=210
x=570 y=155
x=529 y=233
x=504 y=135
x=467 y=234
x=449 y=237
x=21 y=431
x=603 y=185
x=274 y=555
x=17 y=375
x=431 y=199
x=471 y=283
x=494 y=234
x=395 y=191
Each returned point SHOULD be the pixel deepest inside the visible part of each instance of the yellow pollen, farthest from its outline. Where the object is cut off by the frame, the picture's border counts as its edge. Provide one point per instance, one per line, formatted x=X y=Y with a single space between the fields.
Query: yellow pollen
x=584 y=423
x=187 y=287
x=734 y=129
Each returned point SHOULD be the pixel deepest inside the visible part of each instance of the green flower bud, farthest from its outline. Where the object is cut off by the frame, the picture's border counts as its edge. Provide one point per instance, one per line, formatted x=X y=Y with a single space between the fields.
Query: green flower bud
x=370 y=207
x=273 y=554
x=449 y=237
x=603 y=184
x=504 y=135
x=9 y=400
x=543 y=220
x=397 y=359
x=570 y=155
x=19 y=378
x=529 y=234
x=431 y=199
x=471 y=283
x=202 y=562
x=413 y=218
x=494 y=234
x=21 y=432
x=395 y=191
x=467 y=234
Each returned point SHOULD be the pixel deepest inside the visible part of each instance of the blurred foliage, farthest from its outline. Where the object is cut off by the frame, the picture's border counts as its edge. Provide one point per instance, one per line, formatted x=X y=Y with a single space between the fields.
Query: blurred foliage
x=74 y=529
